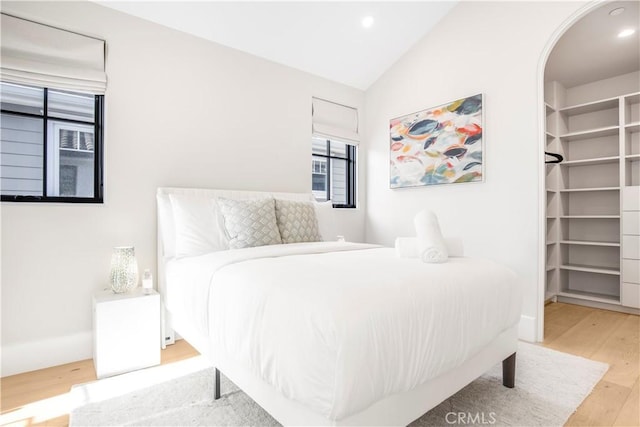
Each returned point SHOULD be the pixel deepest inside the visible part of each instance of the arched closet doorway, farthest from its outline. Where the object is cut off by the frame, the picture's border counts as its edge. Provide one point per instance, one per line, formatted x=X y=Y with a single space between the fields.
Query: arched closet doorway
x=592 y=180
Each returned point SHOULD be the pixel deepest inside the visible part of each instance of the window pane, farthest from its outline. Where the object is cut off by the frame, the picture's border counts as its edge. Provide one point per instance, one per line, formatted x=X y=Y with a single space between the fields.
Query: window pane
x=68 y=139
x=338 y=149
x=22 y=99
x=21 y=157
x=318 y=146
x=319 y=165
x=70 y=159
x=319 y=178
x=339 y=181
x=69 y=105
x=319 y=186
x=86 y=141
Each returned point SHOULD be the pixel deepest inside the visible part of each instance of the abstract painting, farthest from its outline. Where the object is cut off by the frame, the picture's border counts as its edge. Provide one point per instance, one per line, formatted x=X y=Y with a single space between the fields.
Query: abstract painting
x=441 y=145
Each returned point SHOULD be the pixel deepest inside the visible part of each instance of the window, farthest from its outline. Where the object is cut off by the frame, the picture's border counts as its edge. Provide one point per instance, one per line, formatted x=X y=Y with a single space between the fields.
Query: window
x=334 y=151
x=51 y=145
x=51 y=102
x=333 y=166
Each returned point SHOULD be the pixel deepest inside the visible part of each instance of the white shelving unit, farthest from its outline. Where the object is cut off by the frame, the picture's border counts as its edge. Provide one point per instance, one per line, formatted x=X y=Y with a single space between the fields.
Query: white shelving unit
x=587 y=247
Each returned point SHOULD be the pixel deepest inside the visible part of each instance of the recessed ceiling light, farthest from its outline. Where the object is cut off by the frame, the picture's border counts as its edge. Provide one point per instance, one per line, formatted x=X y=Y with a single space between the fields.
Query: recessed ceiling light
x=367 y=21
x=616 y=11
x=626 y=33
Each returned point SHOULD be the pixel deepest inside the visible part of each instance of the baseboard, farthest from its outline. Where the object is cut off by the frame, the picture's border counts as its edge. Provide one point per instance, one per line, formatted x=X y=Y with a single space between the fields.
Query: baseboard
x=527 y=328
x=597 y=304
x=33 y=355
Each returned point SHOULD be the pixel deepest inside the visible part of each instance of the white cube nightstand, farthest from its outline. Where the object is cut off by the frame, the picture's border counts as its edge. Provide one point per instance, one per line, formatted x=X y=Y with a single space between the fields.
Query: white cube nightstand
x=126 y=331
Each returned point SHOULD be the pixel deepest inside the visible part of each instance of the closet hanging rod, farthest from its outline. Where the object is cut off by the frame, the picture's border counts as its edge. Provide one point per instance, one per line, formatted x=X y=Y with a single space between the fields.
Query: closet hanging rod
x=557 y=157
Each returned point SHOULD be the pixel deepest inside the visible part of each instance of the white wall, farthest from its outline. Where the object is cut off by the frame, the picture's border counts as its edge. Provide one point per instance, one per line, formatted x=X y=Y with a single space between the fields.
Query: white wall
x=480 y=47
x=601 y=89
x=180 y=111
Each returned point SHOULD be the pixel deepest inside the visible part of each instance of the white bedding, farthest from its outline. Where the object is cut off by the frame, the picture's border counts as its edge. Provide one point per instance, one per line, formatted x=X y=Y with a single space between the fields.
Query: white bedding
x=338 y=326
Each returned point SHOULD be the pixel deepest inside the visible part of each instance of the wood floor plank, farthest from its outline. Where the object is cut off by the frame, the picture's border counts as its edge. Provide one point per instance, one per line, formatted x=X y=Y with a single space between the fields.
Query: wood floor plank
x=588 y=335
x=601 y=407
x=629 y=415
x=621 y=351
x=560 y=317
x=50 y=379
x=555 y=306
x=606 y=336
x=179 y=351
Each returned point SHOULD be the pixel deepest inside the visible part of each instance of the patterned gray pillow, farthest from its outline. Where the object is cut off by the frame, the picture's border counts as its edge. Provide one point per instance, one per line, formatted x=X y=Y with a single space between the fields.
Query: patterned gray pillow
x=297 y=221
x=250 y=223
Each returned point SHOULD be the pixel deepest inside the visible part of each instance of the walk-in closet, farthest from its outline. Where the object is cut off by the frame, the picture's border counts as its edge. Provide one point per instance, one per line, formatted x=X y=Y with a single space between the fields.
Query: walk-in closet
x=592 y=104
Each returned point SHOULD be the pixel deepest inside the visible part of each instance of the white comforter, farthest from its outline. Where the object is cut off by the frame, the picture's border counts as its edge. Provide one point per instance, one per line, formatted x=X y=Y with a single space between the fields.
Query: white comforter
x=338 y=326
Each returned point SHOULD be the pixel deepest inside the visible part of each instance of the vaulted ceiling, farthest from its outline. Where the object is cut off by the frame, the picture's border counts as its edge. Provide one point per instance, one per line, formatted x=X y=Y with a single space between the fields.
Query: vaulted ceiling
x=324 y=38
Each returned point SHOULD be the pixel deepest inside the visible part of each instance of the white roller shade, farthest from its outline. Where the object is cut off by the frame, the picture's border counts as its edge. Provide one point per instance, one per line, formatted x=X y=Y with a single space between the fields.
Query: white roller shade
x=335 y=121
x=43 y=56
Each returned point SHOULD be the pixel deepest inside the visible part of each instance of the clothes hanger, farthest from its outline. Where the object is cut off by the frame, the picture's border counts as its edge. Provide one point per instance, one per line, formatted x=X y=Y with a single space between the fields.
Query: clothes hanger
x=557 y=157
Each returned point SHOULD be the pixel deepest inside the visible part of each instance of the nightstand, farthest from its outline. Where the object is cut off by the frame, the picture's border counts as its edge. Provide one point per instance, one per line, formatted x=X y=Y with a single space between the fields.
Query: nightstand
x=126 y=331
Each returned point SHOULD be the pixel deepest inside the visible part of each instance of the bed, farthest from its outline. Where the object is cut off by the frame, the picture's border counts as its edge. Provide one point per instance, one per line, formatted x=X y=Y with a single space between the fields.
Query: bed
x=335 y=333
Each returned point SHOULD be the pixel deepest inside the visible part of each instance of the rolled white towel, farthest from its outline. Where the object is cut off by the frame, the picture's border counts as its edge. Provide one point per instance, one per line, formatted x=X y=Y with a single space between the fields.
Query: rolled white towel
x=431 y=246
x=407 y=247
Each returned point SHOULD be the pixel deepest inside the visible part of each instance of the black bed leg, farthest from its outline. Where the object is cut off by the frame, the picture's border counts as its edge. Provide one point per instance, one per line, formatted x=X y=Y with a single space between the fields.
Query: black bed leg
x=509 y=371
x=216 y=386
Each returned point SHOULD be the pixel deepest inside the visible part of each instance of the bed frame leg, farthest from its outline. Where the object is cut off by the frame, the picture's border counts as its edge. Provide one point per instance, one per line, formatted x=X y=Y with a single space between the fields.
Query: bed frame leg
x=509 y=371
x=216 y=386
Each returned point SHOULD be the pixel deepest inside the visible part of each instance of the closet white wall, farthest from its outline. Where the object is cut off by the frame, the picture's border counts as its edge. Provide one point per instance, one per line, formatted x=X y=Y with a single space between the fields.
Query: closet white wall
x=592 y=196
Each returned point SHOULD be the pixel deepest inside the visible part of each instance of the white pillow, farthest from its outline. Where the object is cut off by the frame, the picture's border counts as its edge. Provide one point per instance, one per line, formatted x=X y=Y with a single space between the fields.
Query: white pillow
x=197 y=225
x=250 y=223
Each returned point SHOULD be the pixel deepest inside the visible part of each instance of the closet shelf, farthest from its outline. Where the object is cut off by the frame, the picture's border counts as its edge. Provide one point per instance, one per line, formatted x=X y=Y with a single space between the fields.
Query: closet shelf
x=593 y=161
x=551 y=243
x=550 y=267
x=633 y=97
x=591 y=296
x=590 y=243
x=632 y=127
x=590 y=269
x=633 y=157
x=548 y=108
x=591 y=133
x=570 y=190
x=550 y=135
x=590 y=107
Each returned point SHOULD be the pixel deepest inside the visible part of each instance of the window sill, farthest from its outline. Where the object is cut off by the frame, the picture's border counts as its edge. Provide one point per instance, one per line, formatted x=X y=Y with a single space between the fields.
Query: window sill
x=44 y=199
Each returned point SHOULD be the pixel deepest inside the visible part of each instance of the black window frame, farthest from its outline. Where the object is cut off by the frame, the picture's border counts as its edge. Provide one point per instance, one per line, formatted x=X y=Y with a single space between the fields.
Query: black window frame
x=98 y=185
x=350 y=185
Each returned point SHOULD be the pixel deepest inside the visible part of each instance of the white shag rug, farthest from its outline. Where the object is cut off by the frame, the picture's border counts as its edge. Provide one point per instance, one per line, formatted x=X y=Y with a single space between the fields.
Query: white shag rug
x=549 y=387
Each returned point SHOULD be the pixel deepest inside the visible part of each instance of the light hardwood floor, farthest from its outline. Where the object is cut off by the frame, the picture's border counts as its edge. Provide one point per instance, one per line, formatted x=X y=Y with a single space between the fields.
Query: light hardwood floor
x=37 y=398
x=595 y=334
x=609 y=337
